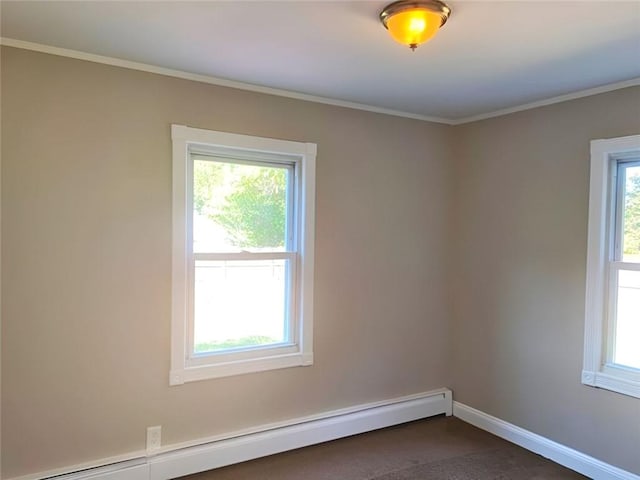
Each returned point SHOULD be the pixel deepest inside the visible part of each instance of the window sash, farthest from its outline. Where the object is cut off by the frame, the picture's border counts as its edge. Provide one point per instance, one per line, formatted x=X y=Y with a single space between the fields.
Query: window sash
x=252 y=353
x=290 y=254
x=291 y=324
x=612 y=318
x=292 y=216
x=204 y=256
x=632 y=266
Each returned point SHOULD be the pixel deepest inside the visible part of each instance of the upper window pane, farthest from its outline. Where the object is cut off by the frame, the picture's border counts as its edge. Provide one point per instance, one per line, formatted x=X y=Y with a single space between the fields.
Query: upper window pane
x=239 y=206
x=631 y=213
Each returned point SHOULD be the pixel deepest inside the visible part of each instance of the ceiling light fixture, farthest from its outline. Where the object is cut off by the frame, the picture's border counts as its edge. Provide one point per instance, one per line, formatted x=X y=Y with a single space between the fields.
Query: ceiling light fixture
x=414 y=22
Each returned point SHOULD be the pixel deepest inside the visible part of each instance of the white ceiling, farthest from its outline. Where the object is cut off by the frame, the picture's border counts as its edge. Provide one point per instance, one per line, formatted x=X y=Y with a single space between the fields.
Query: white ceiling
x=489 y=56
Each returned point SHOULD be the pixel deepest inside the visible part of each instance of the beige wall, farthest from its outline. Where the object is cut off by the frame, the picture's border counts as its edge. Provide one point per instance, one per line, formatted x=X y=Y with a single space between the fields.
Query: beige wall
x=86 y=224
x=521 y=195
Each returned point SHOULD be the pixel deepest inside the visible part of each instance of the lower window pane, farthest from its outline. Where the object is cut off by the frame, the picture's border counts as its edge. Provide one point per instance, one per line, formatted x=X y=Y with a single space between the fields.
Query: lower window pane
x=239 y=304
x=627 y=341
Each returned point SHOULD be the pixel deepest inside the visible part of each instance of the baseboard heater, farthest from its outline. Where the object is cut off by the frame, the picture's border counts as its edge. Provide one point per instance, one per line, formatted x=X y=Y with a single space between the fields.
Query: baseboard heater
x=205 y=454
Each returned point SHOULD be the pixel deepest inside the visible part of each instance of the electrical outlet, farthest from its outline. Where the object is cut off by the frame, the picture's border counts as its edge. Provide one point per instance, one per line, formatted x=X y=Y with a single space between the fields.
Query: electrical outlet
x=154 y=438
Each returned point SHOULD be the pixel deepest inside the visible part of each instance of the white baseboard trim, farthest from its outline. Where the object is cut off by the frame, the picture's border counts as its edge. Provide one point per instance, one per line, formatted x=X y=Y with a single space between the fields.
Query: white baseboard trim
x=183 y=459
x=568 y=457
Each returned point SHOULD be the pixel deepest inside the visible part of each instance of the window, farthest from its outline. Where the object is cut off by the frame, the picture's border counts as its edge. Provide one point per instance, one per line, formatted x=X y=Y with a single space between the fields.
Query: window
x=243 y=239
x=612 y=329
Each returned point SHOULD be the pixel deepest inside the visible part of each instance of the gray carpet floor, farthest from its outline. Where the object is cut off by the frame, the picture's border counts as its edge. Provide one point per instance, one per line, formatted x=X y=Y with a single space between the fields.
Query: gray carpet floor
x=438 y=448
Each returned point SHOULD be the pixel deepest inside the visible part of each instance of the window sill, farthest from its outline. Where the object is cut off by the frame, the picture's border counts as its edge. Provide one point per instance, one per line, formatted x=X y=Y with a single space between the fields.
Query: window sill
x=612 y=380
x=239 y=367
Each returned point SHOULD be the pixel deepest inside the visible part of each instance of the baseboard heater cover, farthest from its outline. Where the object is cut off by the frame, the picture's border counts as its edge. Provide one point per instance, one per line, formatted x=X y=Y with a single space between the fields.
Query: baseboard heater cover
x=199 y=456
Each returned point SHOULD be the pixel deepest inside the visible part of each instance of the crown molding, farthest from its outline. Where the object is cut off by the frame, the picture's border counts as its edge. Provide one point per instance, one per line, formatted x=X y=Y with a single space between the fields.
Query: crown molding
x=222 y=82
x=634 y=82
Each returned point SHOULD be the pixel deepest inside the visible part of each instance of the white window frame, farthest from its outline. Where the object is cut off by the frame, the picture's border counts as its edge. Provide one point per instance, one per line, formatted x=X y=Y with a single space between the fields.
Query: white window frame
x=185 y=365
x=602 y=265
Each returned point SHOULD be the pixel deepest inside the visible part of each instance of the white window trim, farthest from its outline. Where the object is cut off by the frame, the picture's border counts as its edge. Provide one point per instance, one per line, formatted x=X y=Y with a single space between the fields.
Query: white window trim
x=260 y=359
x=598 y=371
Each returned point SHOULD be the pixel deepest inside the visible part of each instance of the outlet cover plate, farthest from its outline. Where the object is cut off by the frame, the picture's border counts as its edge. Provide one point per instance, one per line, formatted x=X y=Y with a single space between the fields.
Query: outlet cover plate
x=154 y=438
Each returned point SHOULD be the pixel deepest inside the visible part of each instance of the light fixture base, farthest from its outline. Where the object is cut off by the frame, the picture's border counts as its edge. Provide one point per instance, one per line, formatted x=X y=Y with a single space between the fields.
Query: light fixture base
x=434 y=6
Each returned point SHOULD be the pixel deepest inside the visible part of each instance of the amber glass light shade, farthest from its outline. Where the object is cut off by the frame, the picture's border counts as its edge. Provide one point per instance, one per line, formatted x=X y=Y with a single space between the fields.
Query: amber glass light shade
x=413 y=22
x=413 y=27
